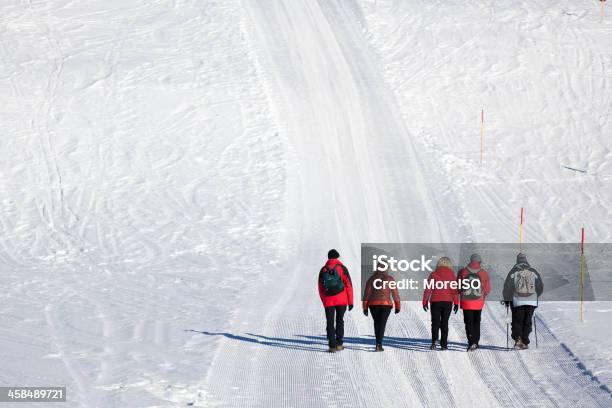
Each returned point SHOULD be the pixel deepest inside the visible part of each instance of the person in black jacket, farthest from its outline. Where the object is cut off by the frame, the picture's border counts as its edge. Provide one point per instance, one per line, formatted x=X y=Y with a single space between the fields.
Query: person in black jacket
x=522 y=288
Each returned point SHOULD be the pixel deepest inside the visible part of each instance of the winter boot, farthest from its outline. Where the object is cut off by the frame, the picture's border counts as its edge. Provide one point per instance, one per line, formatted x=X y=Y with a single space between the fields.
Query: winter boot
x=339 y=347
x=473 y=347
x=433 y=346
x=331 y=349
x=379 y=347
x=443 y=347
x=518 y=345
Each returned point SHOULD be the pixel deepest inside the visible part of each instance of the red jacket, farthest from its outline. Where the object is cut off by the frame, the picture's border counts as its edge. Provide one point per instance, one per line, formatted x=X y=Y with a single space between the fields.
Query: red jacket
x=447 y=294
x=381 y=296
x=475 y=304
x=344 y=298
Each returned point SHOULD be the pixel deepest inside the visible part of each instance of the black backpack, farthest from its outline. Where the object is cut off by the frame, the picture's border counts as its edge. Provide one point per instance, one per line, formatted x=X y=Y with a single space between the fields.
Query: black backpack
x=470 y=293
x=332 y=281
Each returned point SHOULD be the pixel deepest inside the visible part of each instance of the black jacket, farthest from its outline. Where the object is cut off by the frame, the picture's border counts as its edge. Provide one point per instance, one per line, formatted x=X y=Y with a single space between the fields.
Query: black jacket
x=509 y=286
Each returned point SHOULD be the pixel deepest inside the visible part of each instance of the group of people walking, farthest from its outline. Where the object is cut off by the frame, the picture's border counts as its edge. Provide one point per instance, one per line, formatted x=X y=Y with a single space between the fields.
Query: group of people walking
x=522 y=288
x=440 y=302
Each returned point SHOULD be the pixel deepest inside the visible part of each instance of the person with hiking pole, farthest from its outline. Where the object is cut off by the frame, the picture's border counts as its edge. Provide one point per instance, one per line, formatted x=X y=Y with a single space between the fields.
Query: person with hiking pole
x=379 y=290
x=472 y=299
x=522 y=288
x=441 y=293
x=336 y=292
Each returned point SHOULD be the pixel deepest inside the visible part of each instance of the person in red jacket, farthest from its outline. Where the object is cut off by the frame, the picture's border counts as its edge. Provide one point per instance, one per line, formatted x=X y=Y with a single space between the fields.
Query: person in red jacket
x=472 y=300
x=379 y=290
x=441 y=294
x=336 y=292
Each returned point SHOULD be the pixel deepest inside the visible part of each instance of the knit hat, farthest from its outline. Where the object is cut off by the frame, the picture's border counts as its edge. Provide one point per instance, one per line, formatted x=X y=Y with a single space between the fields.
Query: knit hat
x=521 y=258
x=475 y=258
x=333 y=254
x=444 y=261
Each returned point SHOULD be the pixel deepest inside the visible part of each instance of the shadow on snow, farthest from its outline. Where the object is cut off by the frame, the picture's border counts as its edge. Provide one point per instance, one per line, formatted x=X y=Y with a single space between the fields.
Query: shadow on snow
x=319 y=343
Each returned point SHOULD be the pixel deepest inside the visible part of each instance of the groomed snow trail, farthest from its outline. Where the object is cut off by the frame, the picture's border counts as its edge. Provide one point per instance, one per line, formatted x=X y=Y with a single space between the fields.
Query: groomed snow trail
x=358 y=178
x=344 y=179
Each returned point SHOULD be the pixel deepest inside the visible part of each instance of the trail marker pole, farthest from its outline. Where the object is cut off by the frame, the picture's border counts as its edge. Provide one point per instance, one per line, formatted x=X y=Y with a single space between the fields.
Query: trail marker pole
x=582 y=277
x=481 y=135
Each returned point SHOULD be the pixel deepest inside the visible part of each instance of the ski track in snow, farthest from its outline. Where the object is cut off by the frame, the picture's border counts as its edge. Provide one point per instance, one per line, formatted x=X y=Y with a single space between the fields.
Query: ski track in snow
x=539 y=71
x=132 y=132
x=157 y=155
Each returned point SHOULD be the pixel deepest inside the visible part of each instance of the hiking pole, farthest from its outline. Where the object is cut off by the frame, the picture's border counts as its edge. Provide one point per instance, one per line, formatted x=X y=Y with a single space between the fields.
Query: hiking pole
x=535 y=327
x=503 y=302
x=507 y=340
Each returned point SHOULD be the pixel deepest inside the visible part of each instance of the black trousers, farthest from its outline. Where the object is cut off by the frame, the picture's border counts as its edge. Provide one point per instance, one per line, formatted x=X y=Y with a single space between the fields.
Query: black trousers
x=335 y=332
x=471 y=319
x=440 y=312
x=522 y=316
x=380 y=314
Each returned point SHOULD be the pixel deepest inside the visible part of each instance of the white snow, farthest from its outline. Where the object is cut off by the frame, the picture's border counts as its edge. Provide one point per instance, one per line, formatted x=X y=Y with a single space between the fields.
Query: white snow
x=173 y=173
